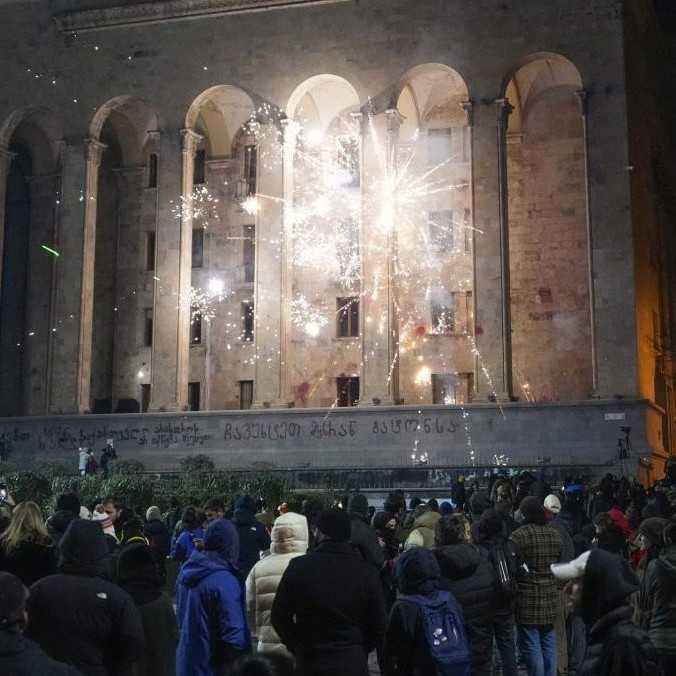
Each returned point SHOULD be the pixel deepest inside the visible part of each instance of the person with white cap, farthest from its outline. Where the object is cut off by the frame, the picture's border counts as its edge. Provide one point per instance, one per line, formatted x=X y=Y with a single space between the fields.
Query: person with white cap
x=552 y=506
x=599 y=586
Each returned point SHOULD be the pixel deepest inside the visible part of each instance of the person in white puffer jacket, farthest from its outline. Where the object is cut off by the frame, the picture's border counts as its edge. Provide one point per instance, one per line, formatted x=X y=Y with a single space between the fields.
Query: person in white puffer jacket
x=289 y=538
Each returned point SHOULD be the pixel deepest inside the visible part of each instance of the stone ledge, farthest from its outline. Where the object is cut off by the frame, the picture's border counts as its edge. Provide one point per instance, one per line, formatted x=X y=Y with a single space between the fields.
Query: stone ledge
x=167 y=10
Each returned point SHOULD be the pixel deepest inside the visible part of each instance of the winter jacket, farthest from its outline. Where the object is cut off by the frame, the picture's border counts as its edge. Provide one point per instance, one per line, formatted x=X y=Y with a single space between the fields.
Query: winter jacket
x=660 y=582
x=289 y=540
x=158 y=537
x=184 y=547
x=422 y=534
x=365 y=541
x=470 y=577
x=567 y=545
x=79 y=618
x=20 y=656
x=253 y=538
x=58 y=523
x=406 y=651
x=329 y=611
x=210 y=608
x=30 y=561
x=537 y=601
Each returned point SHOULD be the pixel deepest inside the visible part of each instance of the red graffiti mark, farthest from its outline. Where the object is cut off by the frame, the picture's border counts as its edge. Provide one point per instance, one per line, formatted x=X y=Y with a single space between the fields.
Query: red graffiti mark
x=478 y=331
x=301 y=392
x=420 y=331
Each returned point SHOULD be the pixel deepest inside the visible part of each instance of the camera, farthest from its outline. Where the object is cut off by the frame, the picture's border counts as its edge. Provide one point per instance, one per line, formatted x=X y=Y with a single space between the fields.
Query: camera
x=626 y=430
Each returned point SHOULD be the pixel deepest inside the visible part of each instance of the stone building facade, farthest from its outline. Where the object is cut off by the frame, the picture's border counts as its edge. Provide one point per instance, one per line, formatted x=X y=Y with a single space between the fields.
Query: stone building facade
x=255 y=203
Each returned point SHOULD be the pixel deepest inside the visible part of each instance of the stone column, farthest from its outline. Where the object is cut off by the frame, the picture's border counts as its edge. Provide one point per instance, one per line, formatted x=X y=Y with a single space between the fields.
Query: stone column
x=379 y=373
x=93 y=152
x=173 y=269
x=270 y=301
x=582 y=100
x=65 y=329
x=491 y=250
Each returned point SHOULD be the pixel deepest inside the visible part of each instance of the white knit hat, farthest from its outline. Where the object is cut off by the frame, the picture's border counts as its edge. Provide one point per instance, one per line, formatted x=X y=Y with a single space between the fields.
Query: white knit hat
x=552 y=504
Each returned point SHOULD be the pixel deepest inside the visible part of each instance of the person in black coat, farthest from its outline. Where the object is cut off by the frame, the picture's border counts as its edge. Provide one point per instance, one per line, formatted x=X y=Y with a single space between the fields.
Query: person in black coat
x=67 y=509
x=470 y=577
x=139 y=576
x=253 y=538
x=159 y=539
x=363 y=538
x=329 y=609
x=18 y=655
x=601 y=584
x=77 y=616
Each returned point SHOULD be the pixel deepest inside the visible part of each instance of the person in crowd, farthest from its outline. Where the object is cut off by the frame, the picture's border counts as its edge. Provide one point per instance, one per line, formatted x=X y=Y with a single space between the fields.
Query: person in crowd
x=132 y=532
x=445 y=508
x=363 y=537
x=458 y=493
x=67 y=508
x=92 y=466
x=269 y=664
x=159 y=538
x=82 y=461
x=424 y=523
x=492 y=539
x=77 y=616
x=104 y=521
x=140 y=577
x=602 y=500
x=407 y=650
x=210 y=606
x=264 y=515
x=253 y=538
x=609 y=535
x=667 y=488
x=26 y=550
x=537 y=600
x=114 y=508
x=289 y=539
x=329 y=609
x=600 y=586
x=552 y=506
x=478 y=502
x=469 y=576
x=658 y=598
x=213 y=509
x=19 y=656
x=191 y=523
x=173 y=515
x=385 y=526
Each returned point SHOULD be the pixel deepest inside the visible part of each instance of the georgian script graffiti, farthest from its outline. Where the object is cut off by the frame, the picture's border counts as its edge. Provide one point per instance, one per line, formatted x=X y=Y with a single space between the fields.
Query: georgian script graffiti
x=413 y=425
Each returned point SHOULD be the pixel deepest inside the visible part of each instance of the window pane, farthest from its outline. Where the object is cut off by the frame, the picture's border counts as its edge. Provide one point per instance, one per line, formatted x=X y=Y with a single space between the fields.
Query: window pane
x=148 y=327
x=439 y=148
x=196 y=328
x=247 y=322
x=245 y=394
x=194 y=396
x=441 y=230
x=152 y=171
x=199 y=171
x=150 y=251
x=249 y=252
x=250 y=168
x=197 y=247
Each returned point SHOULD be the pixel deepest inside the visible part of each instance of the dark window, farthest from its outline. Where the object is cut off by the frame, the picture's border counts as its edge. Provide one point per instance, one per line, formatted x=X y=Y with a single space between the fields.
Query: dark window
x=200 y=166
x=247 y=322
x=198 y=247
x=249 y=252
x=250 y=168
x=245 y=394
x=348 y=317
x=195 y=327
x=145 y=398
x=452 y=389
x=443 y=312
x=441 y=230
x=348 y=160
x=150 y=250
x=152 y=171
x=439 y=147
x=148 y=327
x=469 y=313
x=347 y=391
x=194 y=396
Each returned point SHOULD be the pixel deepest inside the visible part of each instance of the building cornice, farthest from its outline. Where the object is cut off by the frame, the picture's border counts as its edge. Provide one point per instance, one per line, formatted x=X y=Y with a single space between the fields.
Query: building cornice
x=162 y=11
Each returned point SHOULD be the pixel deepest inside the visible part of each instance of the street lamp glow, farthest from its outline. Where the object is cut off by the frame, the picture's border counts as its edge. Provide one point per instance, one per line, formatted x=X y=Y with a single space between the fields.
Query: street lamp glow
x=216 y=286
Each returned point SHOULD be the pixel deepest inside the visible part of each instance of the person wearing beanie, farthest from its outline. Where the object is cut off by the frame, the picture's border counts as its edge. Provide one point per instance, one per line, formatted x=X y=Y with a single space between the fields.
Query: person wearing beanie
x=139 y=576
x=600 y=585
x=538 y=599
x=66 y=509
x=210 y=606
x=159 y=538
x=363 y=537
x=20 y=656
x=253 y=538
x=79 y=617
x=289 y=539
x=191 y=533
x=329 y=609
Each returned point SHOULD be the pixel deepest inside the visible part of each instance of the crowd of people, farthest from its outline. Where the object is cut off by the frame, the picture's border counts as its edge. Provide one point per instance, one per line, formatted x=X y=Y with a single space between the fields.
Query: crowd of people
x=507 y=576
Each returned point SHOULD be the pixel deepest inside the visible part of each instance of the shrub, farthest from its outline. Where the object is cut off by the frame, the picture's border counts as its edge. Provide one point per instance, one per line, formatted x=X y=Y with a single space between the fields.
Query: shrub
x=126 y=467
x=197 y=463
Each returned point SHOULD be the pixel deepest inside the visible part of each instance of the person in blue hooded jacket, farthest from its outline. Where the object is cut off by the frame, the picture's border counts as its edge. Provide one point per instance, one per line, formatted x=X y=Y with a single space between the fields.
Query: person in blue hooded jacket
x=253 y=538
x=210 y=606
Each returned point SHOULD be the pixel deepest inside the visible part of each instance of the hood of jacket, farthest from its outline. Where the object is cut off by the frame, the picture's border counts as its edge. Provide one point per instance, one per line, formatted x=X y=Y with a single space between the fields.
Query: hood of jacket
x=358 y=505
x=60 y=520
x=667 y=566
x=245 y=511
x=417 y=571
x=608 y=582
x=221 y=540
x=457 y=561
x=427 y=519
x=289 y=534
x=83 y=549
x=201 y=565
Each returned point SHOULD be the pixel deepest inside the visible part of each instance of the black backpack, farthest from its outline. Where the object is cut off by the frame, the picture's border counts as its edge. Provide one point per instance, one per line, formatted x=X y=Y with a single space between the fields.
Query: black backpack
x=508 y=568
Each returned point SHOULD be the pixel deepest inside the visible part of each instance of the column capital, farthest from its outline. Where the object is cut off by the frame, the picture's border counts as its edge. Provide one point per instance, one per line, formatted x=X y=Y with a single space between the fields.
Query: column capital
x=504 y=110
x=468 y=108
x=94 y=150
x=189 y=141
x=583 y=101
